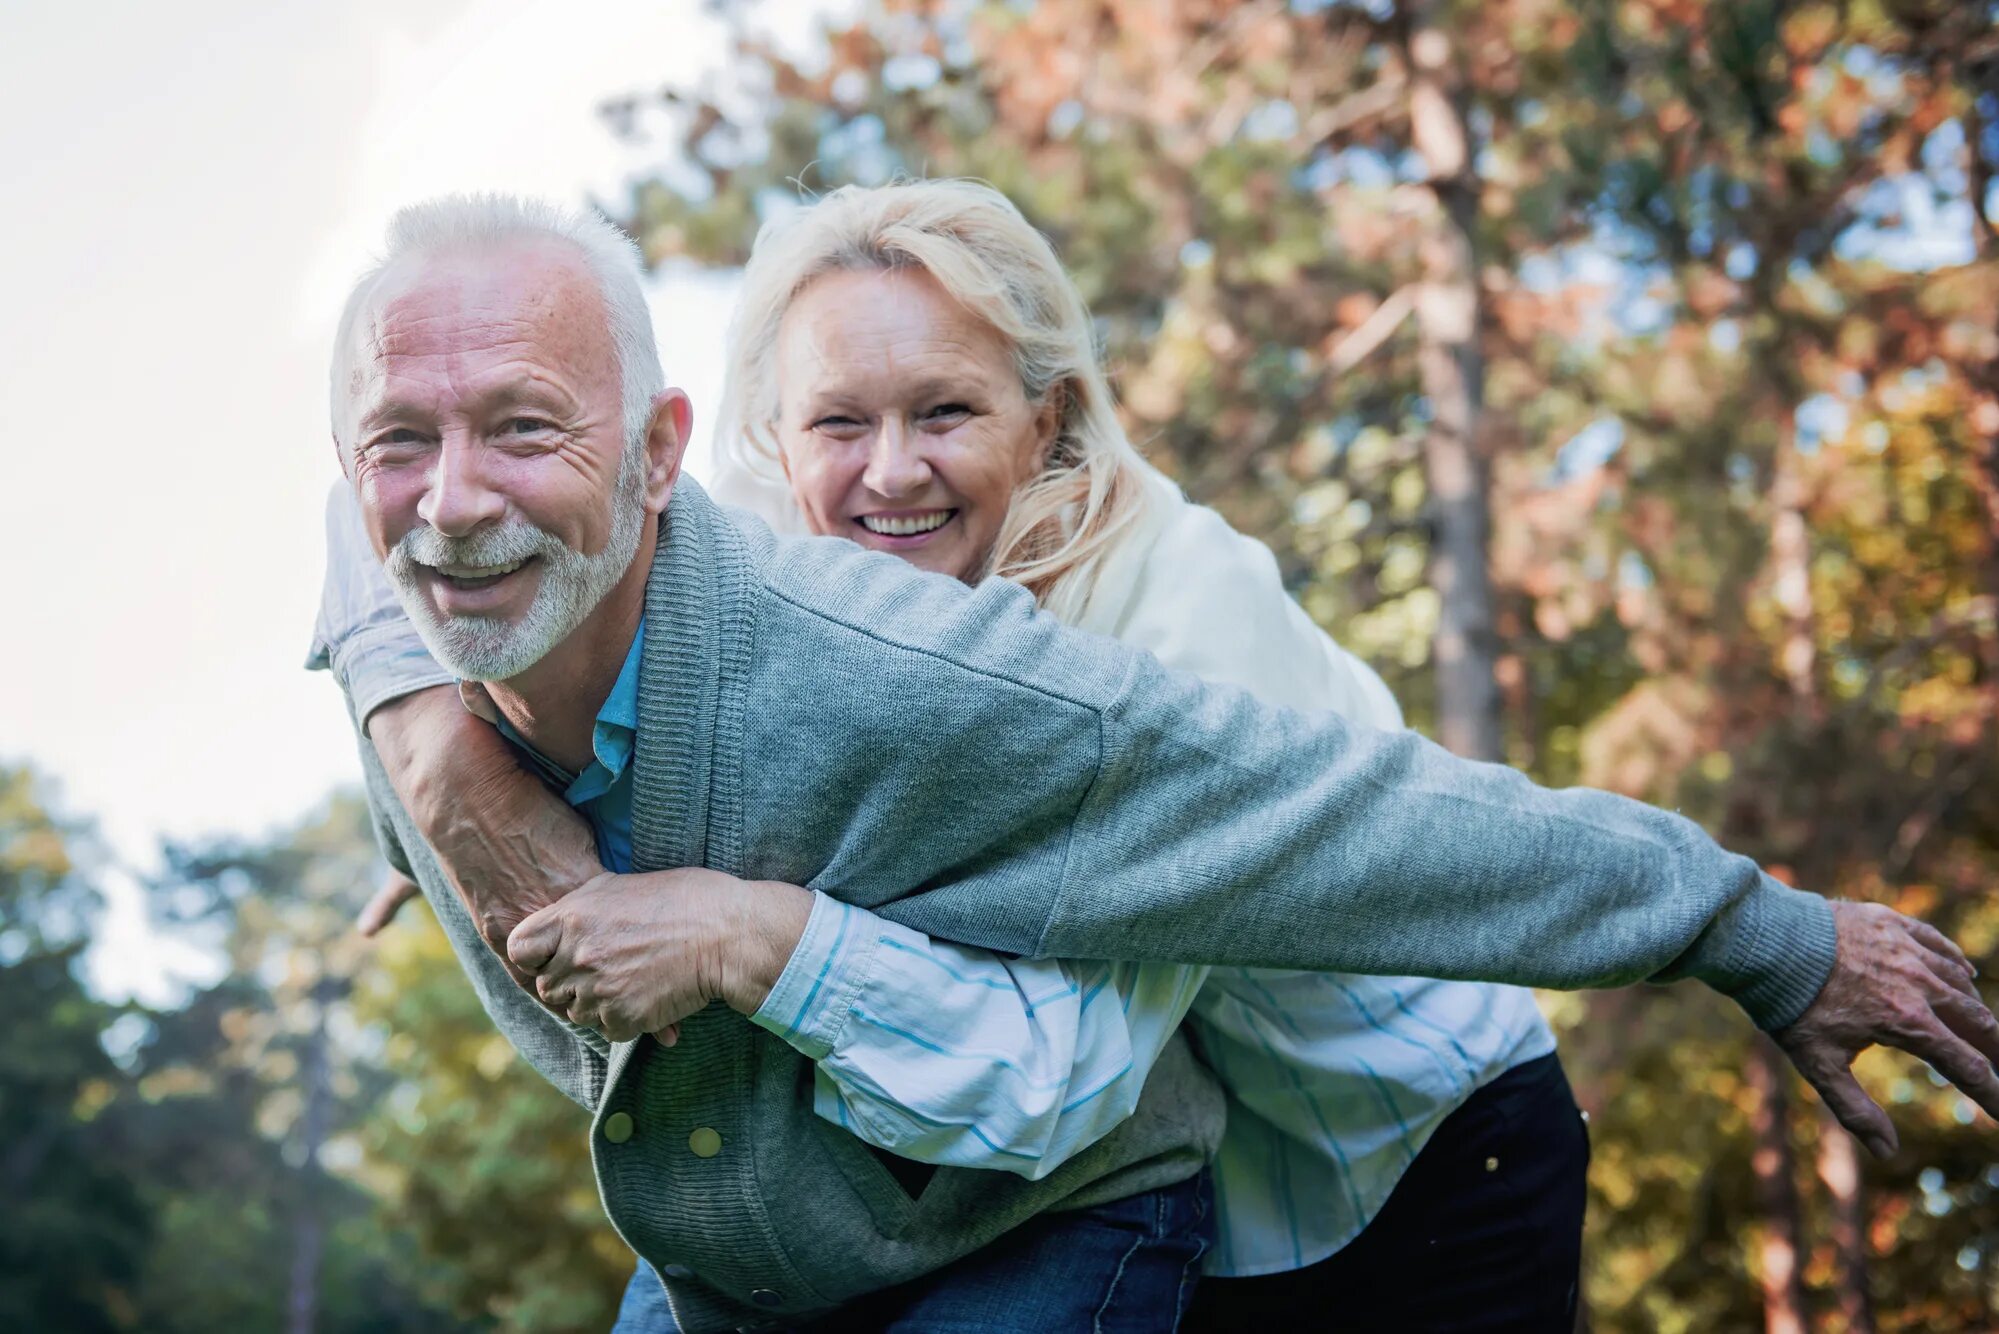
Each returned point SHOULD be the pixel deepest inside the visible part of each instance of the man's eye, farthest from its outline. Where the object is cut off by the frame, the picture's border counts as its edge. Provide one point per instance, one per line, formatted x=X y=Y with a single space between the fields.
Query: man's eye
x=948 y=412
x=526 y=425
x=401 y=435
x=837 y=425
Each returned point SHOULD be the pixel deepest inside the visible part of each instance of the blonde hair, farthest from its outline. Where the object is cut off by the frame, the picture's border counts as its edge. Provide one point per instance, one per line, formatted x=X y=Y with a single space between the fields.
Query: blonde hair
x=974 y=243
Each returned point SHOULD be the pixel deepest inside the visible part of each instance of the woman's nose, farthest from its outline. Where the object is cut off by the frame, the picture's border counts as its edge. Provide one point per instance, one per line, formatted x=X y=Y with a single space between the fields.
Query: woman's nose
x=896 y=466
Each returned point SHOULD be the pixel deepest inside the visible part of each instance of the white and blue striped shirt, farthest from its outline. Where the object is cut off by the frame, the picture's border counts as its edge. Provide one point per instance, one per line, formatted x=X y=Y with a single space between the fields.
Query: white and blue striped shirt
x=958 y=1056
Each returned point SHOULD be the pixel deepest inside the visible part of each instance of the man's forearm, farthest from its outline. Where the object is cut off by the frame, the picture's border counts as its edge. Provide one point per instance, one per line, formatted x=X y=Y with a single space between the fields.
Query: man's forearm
x=508 y=844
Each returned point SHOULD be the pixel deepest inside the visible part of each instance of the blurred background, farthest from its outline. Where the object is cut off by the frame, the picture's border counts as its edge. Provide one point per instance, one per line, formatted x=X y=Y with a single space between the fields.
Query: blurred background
x=1620 y=377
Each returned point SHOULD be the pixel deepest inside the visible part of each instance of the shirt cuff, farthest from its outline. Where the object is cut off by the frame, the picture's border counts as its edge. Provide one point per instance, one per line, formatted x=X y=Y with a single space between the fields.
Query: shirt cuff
x=830 y=965
x=380 y=663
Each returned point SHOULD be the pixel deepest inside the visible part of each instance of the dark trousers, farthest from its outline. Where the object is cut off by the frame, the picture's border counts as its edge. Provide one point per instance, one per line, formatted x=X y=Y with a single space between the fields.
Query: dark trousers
x=1484 y=1232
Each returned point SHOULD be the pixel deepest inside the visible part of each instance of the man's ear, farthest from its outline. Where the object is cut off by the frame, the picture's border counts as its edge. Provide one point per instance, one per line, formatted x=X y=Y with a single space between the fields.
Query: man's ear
x=666 y=445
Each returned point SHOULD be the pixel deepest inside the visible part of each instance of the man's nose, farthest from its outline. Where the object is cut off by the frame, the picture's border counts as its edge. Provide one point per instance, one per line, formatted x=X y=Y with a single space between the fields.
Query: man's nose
x=896 y=465
x=458 y=499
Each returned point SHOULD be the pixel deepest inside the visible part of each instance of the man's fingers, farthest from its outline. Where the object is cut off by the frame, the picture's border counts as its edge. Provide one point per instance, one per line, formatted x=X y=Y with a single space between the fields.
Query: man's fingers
x=668 y=1036
x=1939 y=942
x=1960 y=1063
x=535 y=941
x=396 y=890
x=1971 y=1019
x=1856 y=1111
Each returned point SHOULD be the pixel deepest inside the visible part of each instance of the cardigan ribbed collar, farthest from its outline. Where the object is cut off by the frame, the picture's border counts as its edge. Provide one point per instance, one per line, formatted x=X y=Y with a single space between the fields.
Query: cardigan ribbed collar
x=686 y=796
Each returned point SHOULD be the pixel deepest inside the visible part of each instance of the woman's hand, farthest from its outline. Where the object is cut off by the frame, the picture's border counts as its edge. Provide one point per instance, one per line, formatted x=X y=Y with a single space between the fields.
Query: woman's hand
x=632 y=954
x=395 y=890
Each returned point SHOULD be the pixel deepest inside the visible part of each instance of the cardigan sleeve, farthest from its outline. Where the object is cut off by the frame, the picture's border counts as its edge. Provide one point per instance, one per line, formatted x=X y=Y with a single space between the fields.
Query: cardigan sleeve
x=969 y=767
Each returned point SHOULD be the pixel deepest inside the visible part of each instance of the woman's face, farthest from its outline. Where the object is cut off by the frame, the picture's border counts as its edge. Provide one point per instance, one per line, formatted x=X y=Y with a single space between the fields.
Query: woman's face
x=901 y=419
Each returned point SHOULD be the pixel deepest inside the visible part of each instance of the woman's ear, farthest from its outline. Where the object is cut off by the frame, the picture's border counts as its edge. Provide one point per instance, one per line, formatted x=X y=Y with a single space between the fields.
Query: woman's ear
x=1048 y=422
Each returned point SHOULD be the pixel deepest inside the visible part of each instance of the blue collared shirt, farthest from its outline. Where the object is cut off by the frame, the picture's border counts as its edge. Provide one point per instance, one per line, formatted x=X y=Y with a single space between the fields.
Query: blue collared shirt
x=603 y=791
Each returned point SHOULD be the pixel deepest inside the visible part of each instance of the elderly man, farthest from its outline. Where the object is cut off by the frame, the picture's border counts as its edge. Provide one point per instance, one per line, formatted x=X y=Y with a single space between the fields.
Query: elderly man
x=499 y=409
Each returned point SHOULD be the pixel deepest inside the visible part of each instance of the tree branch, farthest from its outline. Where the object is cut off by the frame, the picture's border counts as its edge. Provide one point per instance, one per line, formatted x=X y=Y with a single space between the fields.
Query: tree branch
x=1373 y=331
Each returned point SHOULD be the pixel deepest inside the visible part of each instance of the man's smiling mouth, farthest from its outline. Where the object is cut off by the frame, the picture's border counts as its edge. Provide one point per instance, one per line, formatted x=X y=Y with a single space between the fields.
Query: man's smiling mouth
x=469 y=577
x=906 y=525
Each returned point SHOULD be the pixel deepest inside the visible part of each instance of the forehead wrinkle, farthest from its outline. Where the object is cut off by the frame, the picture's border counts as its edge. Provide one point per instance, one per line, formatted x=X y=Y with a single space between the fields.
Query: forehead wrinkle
x=544 y=291
x=459 y=329
x=848 y=361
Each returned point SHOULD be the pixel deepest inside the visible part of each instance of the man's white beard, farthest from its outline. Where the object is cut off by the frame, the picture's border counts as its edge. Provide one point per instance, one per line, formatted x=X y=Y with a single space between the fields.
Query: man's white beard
x=488 y=648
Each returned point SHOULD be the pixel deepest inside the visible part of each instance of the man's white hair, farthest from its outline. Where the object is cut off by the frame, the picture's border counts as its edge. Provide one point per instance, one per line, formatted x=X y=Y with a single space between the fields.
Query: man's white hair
x=456 y=224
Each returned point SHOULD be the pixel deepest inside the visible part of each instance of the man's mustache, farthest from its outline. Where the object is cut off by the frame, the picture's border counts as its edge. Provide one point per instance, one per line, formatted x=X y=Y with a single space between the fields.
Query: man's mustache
x=514 y=539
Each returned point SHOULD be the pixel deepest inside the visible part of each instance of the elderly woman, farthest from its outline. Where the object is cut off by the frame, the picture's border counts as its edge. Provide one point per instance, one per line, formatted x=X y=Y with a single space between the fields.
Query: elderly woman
x=913 y=371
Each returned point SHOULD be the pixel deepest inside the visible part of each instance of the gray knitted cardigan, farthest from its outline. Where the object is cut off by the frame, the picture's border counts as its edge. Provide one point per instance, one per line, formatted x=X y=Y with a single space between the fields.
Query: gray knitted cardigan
x=964 y=764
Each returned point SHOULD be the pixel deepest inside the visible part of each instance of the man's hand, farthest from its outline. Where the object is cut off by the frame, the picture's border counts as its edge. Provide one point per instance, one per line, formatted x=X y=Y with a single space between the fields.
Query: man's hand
x=396 y=890
x=632 y=954
x=1899 y=983
x=507 y=844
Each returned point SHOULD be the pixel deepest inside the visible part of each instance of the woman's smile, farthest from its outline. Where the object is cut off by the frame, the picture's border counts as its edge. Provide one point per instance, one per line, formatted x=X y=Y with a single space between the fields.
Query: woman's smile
x=901 y=530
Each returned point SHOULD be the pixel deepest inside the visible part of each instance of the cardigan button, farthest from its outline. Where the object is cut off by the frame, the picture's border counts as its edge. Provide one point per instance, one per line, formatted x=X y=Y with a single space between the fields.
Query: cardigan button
x=705 y=1142
x=767 y=1297
x=618 y=1127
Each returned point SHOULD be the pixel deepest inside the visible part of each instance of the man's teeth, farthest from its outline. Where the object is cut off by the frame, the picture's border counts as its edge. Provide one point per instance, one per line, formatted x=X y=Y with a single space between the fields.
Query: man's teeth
x=905 y=525
x=478 y=571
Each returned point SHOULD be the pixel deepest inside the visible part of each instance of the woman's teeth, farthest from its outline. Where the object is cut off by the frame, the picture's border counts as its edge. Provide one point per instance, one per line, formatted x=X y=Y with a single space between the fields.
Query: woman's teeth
x=906 y=525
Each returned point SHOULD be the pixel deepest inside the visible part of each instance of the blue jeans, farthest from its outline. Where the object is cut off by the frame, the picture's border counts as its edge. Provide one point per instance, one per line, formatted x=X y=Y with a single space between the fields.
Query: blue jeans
x=1128 y=1267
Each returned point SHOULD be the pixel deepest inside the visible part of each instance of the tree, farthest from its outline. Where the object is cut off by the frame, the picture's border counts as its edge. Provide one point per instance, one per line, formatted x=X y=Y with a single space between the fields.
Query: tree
x=251 y=1093
x=1732 y=420
x=75 y=1234
x=477 y=1156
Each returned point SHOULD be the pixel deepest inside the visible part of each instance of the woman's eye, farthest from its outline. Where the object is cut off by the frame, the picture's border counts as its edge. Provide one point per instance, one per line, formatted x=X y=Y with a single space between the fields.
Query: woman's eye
x=837 y=425
x=948 y=412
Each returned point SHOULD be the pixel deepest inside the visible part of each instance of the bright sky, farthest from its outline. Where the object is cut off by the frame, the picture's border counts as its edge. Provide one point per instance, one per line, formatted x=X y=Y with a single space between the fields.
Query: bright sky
x=189 y=189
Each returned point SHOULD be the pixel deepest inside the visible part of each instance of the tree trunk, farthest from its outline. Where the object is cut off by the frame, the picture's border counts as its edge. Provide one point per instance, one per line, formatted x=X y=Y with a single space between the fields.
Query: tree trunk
x=308 y=1228
x=1839 y=1168
x=1448 y=319
x=1791 y=567
x=1774 y=1166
